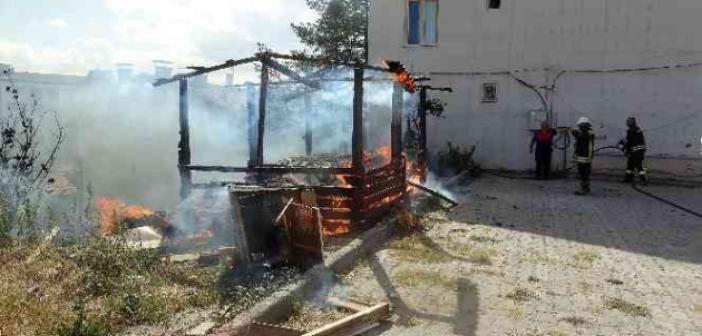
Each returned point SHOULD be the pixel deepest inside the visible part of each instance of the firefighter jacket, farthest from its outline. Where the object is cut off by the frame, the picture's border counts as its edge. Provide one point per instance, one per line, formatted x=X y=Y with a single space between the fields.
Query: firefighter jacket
x=584 y=144
x=634 y=141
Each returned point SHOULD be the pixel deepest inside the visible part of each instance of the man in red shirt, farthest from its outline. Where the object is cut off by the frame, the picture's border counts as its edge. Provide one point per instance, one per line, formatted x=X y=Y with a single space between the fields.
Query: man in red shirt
x=543 y=140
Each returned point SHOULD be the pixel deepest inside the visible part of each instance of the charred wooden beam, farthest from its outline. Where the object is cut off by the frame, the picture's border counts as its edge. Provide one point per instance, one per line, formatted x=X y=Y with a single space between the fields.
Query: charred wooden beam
x=357 y=132
x=396 y=122
x=272 y=169
x=290 y=73
x=204 y=70
x=263 y=96
x=357 y=143
x=184 y=143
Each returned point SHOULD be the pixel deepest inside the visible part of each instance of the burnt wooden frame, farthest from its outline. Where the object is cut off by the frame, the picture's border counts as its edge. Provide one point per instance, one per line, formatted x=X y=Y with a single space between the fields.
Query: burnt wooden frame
x=365 y=184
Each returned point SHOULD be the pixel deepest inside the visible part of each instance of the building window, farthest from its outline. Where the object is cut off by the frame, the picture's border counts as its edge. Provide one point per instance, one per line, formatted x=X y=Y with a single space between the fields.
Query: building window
x=494 y=4
x=489 y=93
x=422 y=19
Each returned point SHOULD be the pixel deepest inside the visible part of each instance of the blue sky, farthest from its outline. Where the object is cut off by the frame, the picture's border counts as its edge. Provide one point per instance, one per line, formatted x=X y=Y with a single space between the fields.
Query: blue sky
x=75 y=36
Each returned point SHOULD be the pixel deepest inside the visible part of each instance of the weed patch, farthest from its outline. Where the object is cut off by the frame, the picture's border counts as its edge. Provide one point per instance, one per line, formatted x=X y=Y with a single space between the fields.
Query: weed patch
x=584 y=259
x=520 y=295
x=484 y=239
x=626 y=307
x=615 y=281
x=574 y=320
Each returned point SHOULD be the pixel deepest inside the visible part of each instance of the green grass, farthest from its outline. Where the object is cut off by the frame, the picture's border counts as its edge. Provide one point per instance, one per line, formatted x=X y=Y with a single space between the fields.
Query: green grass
x=626 y=307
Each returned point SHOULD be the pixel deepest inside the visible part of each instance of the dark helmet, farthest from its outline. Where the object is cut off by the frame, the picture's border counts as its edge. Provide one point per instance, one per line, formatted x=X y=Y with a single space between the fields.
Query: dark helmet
x=631 y=121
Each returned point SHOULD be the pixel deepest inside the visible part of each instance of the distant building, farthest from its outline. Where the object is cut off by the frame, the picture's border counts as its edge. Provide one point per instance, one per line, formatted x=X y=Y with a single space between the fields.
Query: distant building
x=605 y=59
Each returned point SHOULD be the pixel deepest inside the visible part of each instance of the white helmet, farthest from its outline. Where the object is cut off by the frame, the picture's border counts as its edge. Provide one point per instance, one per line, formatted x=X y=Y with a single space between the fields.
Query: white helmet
x=583 y=120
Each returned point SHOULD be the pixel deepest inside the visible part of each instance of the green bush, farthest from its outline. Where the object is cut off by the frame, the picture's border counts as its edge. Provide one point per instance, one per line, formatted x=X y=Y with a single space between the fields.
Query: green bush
x=454 y=160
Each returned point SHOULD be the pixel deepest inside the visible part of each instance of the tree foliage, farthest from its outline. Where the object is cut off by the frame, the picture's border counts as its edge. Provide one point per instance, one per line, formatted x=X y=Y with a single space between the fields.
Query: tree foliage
x=340 y=33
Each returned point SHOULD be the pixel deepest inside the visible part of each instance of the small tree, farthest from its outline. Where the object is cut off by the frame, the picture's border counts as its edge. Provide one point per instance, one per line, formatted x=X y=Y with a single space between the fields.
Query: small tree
x=340 y=33
x=25 y=159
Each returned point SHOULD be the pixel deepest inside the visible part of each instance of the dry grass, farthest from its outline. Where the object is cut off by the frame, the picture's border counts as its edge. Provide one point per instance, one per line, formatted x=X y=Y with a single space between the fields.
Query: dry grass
x=574 y=320
x=515 y=311
x=539 y=258
x=487 y=272
x=614 y=281
x=36 y=297
x=520 y=295
x=626 y=307
x=584 y=259
x=474 y=254
x=95 y=288
x=420 y=278
x=413 y=250
x=484 y=239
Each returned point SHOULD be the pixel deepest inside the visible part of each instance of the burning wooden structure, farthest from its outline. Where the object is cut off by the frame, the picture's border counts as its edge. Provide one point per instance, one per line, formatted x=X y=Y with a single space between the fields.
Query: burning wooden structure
x=308 y=213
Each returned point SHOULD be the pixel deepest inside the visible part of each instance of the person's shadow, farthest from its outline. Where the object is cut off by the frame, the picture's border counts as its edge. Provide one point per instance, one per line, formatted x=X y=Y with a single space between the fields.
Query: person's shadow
x=464 y=322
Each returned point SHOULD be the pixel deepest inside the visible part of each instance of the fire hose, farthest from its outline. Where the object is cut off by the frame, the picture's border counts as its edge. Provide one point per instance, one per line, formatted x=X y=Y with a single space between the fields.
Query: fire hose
x=435 y=193
x=633 y=186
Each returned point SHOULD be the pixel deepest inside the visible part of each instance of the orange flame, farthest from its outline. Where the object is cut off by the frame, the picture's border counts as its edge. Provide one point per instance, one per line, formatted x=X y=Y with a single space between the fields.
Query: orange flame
x=112 y=211
x=405 y=80
x=415 y=174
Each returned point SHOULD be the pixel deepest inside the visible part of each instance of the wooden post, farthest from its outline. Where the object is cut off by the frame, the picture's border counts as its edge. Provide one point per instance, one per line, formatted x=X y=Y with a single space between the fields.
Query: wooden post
x=263 y=95
x=240 y=234
x=357 y=133
x=423 y=151
x=252 y=124
x=396 y=123
x=184 y=144
x=357 y=147
x=308 y=124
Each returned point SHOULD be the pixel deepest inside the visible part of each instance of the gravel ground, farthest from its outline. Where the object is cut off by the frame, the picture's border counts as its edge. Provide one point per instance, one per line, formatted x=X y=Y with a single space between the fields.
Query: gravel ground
x=522 y=257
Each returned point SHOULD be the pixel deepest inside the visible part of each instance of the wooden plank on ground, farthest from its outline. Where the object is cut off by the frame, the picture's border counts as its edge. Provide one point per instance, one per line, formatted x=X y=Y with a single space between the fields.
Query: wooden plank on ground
x=352 y=325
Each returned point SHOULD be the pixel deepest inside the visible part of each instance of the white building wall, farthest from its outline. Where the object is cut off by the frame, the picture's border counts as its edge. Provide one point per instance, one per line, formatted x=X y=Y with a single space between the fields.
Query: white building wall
x=530 y=35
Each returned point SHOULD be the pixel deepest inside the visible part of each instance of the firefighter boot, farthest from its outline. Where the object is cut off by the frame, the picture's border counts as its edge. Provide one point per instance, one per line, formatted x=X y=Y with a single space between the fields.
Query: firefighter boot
x=644 y=179
x=629 y=177
x=584 y=188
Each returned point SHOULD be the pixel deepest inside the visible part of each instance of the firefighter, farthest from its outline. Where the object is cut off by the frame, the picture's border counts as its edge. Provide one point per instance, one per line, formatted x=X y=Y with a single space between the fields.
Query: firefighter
x=634 y=146
x=543 y=140
x=584 y=151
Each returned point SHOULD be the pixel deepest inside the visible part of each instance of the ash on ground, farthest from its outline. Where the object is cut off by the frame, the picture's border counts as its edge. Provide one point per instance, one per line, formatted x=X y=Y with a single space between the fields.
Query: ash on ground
x=241 y=289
